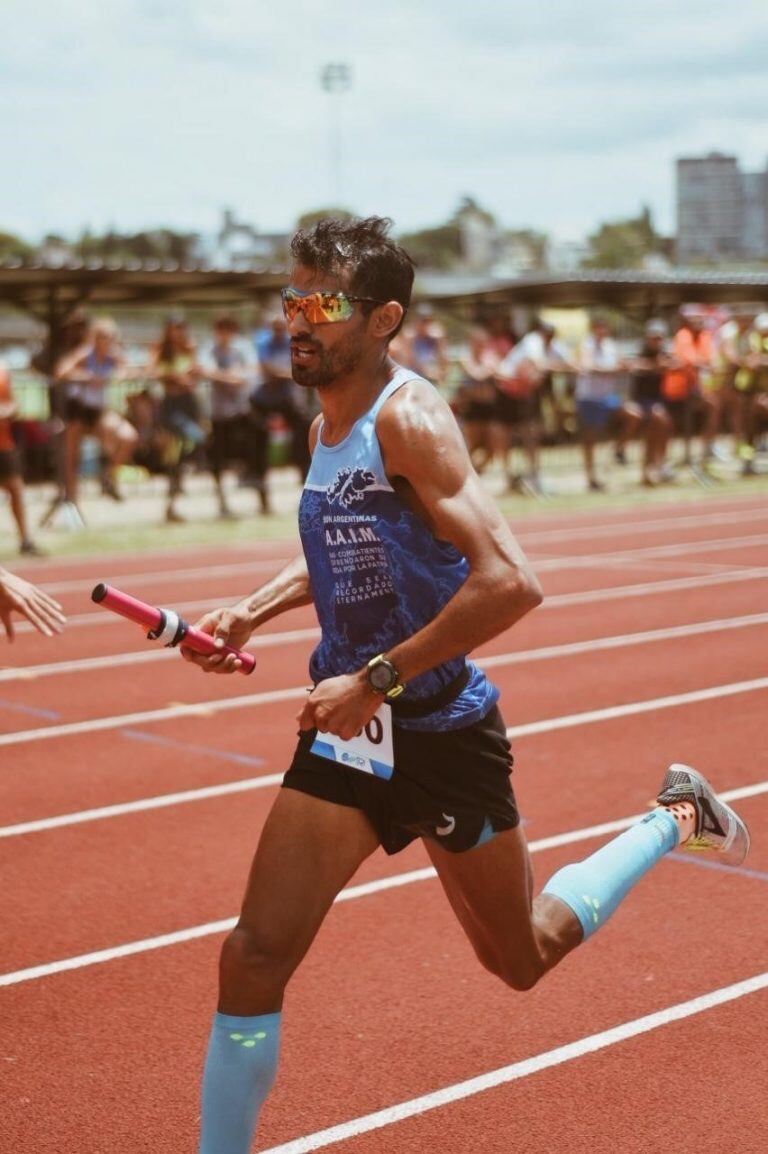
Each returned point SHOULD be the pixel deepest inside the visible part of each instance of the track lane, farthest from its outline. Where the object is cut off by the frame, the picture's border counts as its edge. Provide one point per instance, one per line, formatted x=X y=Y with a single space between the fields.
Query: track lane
x=395 y=1047
x=134 y=692
x=120 y=859
x=593 y=1103
x=299 y=627
x=168 y=1038
x=132 y=762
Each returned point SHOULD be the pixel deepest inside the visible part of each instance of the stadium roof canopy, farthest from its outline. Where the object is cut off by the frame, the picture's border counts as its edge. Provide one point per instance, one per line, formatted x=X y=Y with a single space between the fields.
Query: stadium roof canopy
x=628 y=290
x=49 y=292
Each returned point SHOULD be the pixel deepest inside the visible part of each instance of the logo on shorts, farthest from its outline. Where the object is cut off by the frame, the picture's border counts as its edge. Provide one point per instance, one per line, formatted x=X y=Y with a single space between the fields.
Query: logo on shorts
x=447 y=829
x=349 y=485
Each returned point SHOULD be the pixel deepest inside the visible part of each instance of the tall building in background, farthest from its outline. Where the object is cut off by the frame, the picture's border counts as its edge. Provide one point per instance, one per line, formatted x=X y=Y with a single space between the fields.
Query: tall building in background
x=722 y=212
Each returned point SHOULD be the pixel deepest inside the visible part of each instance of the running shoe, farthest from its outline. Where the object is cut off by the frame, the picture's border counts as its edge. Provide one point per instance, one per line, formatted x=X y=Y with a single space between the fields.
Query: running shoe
x=30 y=549
x=718 y=828
x=110 y=489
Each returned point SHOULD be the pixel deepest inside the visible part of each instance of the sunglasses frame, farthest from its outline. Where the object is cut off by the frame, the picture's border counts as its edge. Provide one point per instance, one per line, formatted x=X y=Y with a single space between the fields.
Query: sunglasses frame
x=300 y=301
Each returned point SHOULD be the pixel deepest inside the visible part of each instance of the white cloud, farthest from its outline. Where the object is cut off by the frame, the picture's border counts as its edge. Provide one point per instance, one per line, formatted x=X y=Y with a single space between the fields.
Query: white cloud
x=140 y=112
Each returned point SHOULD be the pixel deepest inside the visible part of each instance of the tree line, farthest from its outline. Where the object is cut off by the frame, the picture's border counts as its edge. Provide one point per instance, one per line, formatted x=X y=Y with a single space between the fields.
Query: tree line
x=625 y=243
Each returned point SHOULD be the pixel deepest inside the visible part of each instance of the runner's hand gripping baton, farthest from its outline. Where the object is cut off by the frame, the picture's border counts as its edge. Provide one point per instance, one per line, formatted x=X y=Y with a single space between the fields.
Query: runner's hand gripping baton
x=165 y=625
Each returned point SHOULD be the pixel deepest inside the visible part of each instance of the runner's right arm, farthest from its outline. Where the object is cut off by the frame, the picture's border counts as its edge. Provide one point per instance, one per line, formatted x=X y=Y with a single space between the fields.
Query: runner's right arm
x=288 y=589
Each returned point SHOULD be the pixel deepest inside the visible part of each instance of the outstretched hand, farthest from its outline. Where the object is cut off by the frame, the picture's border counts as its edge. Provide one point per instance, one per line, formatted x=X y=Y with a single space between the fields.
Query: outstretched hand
x=227 y=627
x=22 y=597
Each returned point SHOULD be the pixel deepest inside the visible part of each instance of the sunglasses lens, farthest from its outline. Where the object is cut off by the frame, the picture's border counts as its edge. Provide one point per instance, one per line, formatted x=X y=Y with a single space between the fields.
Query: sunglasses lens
x=319 y=308
x=334 y=307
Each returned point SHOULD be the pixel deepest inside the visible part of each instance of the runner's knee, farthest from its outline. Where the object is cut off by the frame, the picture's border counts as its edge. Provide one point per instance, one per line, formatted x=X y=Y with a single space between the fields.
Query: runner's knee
x=519 y=974
x=247 y=956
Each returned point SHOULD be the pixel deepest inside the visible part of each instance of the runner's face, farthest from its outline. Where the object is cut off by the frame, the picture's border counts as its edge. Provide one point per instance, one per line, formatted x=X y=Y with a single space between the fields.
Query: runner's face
x=322 y=354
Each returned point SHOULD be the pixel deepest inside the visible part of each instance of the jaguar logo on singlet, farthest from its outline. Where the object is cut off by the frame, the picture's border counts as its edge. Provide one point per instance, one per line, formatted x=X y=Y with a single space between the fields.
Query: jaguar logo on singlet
x=349 y=485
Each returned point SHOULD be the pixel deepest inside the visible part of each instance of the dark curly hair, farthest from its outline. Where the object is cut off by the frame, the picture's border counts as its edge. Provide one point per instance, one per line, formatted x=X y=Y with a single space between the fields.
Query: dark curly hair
x=378 y=267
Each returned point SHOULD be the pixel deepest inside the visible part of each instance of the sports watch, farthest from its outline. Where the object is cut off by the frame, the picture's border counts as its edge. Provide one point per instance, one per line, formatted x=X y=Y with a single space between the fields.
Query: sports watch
x=383 y=677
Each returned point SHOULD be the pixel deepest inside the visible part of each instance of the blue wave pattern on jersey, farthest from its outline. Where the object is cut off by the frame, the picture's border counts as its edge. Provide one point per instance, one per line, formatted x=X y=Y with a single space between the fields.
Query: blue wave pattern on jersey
x=377 y=573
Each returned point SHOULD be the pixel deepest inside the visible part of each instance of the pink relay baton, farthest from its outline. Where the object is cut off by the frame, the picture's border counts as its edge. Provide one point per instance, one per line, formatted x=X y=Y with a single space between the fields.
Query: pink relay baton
x=166 y=625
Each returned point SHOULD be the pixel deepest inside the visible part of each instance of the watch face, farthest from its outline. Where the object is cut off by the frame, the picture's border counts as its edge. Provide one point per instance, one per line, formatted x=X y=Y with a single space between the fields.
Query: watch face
x=382 y=676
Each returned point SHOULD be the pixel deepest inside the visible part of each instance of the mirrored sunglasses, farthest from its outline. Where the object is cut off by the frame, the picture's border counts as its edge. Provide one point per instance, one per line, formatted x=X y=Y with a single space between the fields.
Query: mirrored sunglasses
x=321 y=308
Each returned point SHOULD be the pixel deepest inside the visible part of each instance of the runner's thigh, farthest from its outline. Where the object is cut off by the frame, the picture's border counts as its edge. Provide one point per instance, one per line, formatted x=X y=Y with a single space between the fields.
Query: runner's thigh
x=309 y=849
x=490 y=890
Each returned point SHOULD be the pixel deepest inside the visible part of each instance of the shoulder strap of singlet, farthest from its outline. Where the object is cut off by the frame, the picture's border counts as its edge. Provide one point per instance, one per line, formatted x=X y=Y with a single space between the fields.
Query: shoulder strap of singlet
x=401 y=376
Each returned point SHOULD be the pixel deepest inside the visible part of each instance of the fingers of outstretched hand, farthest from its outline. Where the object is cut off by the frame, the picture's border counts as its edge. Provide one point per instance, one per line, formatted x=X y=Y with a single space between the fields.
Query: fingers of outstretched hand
x=37 y=612
x=5 y=617
x=45 y=614
x=26 y=599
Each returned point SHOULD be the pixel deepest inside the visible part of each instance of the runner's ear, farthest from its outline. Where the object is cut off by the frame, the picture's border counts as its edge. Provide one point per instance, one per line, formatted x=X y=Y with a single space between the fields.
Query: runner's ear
x=385 y=318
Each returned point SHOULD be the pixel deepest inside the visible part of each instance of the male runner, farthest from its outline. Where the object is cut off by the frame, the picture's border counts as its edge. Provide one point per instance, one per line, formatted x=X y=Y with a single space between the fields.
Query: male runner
x=410 y=566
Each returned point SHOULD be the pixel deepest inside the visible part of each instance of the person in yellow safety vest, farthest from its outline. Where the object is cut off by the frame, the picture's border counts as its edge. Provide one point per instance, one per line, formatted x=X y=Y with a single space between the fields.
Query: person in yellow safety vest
x=751 y=382
x=730 y=351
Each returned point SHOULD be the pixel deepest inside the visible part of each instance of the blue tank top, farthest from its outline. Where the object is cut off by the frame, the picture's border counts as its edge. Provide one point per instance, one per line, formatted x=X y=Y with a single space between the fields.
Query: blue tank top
x=101 y=367
x=378 y=574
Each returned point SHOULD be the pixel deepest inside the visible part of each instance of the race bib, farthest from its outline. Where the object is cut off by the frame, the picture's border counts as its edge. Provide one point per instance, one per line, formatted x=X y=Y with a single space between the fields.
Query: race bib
x=370 y=750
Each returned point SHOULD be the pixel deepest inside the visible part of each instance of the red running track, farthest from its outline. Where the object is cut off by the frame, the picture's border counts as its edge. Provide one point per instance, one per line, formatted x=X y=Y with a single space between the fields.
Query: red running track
x=391 y=1006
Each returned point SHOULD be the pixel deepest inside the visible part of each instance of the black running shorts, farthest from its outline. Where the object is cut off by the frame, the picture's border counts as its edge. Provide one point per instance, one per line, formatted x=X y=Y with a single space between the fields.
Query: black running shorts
x=452 y=786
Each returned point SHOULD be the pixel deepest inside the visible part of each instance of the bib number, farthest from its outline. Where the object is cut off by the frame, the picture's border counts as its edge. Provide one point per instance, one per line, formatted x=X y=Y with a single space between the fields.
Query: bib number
x=370 y=750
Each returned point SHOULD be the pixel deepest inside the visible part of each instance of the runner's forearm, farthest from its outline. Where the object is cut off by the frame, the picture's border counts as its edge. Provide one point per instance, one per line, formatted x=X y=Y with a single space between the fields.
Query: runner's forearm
x=288 y=589
x=481 y=609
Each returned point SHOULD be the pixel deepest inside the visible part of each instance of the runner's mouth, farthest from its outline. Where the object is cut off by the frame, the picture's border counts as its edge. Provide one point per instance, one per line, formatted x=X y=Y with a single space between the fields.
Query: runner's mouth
x=302 y=352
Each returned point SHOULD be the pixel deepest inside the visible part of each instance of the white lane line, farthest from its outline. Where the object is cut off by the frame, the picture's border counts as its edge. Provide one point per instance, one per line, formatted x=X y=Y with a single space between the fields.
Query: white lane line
x=161 y=576
x=594 y=560
x=649 y=588
x=227 y=704
x=567 y=649
x=365 y=889
x=576 y=532
x=266 y=781
x=630 y=709
x=267 y=640
x=529 y=656
x=199 y=709
x=553 y=601
x=164 y=576
x=143 y=656
x=524 y=1069
x=141 y=805
x=552 y=564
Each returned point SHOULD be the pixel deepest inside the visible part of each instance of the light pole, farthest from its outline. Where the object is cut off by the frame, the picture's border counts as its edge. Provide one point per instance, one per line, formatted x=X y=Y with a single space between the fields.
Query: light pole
x=335 y=79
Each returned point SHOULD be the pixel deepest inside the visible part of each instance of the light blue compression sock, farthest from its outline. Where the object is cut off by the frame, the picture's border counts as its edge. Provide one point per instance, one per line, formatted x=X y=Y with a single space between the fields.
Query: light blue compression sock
x=239 y=1071
x=593 y=888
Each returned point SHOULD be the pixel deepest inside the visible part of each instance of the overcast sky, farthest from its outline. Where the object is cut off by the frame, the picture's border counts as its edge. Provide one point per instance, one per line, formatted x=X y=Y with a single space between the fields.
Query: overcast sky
x=554 y=115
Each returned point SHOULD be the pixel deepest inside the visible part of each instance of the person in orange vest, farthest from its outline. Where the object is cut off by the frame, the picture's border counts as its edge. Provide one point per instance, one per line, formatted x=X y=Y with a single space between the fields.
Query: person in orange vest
x=689 y=389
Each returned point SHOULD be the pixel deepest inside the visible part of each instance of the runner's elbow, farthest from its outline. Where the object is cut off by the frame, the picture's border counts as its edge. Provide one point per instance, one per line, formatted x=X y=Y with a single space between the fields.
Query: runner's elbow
x=531 y=590
x=523 y=591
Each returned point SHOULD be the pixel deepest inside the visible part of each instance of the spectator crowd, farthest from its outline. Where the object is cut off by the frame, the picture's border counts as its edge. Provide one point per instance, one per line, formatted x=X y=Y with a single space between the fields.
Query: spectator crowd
x=706 y=380
x=216 y=407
